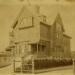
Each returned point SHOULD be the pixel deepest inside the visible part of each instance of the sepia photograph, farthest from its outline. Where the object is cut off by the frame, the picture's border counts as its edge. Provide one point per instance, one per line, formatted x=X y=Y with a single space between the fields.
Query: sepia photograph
x=37 y=37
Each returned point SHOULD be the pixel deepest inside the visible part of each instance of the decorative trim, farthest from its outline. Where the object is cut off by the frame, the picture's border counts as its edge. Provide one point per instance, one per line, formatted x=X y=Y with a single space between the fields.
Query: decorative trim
x=22 y=28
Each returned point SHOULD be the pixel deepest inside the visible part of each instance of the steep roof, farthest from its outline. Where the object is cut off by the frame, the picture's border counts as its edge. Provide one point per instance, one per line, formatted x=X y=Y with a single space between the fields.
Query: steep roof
x=27 y=9
x=59 y=19
x=33 y=11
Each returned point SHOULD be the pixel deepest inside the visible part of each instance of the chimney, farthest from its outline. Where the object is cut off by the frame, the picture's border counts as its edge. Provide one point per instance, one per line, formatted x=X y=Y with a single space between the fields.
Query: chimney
x=37 y=9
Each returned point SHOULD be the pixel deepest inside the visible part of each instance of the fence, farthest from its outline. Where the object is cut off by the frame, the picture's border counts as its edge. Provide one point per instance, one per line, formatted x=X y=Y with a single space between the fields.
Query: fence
x=23 y=67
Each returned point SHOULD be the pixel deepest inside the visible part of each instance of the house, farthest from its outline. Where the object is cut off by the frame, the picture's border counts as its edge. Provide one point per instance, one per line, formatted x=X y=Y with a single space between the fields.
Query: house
x=34 y=38
x=5 y=59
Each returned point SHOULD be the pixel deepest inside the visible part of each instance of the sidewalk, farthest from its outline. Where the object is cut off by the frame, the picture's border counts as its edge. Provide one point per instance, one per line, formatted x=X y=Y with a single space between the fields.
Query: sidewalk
x=6 y=70
x=68 y=70
x=54 y=69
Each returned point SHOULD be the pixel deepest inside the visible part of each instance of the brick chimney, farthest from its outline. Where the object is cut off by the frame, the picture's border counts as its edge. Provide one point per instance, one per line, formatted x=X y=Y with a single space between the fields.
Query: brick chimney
x=37 y=9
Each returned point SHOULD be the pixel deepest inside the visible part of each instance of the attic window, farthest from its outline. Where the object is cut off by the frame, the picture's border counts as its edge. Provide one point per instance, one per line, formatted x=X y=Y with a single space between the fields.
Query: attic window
x=26 y=22
x=43 y=18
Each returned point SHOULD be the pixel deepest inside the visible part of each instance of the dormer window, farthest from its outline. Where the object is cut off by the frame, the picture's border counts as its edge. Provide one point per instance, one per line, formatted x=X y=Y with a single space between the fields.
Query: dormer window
x=43 y=18
x=26 y=22
x=59 y=28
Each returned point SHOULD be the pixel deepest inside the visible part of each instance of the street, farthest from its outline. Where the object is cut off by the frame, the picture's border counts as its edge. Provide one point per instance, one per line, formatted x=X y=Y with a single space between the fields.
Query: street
x=58 y=71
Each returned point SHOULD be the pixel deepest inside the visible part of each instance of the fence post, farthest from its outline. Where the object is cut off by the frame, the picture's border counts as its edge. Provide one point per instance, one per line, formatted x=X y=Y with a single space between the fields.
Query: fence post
x=33 y=65
x=14 y=65
x=22 y=64
x=73 y=67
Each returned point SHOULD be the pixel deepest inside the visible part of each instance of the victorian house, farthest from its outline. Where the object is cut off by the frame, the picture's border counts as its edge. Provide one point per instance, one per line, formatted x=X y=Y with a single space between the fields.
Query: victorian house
x=33 y=38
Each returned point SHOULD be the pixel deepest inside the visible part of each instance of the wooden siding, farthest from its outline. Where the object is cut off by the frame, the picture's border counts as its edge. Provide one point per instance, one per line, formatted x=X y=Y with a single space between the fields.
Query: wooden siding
x=66 y=46
x=45 y=32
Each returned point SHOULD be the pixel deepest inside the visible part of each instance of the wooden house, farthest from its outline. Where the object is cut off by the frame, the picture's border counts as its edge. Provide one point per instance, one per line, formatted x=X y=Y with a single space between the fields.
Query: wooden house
x=38 y=43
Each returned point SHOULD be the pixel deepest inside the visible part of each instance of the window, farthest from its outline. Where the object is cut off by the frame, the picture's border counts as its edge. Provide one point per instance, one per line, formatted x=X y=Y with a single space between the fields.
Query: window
x=57 y=35
x=23 y=49
x=26 y=22
x=58 y=27
x=43 y=18
x=34 y=48
x=17 y=50
x=40 y=48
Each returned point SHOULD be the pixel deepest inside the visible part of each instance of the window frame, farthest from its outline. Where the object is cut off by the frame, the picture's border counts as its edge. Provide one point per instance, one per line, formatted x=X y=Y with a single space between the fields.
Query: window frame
x=27 y=19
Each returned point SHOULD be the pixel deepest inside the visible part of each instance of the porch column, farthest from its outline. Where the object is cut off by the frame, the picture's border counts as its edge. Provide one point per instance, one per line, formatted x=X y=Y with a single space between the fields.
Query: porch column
x=37 y=48
x=74 y=66
x=33 y=67
x=13 y=66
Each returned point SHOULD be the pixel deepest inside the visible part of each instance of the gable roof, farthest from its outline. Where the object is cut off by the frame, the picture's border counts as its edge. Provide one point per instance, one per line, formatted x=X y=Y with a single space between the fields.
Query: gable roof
x=28 y=9
x=59 y=20
x=15 y=22
x=51 y=19
x=19 y=14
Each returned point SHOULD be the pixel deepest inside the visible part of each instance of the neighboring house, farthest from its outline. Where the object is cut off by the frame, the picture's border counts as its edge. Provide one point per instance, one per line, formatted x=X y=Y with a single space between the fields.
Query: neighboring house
x=73 y=54
x=33 y=36
x=5 y=59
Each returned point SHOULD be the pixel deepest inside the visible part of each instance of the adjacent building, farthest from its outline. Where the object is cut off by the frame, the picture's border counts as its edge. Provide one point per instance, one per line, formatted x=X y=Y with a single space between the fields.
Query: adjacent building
x=5 y=59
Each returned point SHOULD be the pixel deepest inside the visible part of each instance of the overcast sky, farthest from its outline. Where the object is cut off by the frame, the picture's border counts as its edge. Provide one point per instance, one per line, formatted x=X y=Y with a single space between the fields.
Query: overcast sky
x=10 y=8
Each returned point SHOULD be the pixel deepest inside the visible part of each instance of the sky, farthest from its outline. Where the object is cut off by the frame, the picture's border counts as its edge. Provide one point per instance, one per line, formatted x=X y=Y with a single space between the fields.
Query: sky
x=9 y=9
